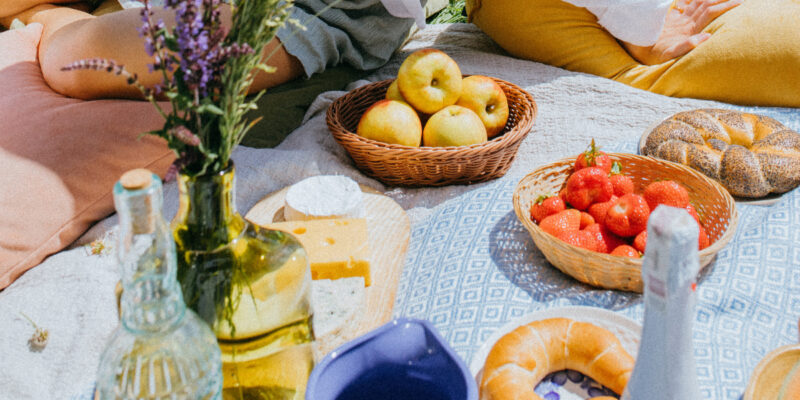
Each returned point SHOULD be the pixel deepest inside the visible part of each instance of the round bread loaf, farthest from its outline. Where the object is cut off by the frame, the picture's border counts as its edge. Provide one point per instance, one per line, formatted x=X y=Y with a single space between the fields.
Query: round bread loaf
x=521 y=358
x=750 y=155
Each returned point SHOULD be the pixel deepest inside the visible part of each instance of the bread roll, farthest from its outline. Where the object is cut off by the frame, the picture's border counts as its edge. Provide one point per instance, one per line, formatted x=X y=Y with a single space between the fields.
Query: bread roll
x=790 y=389
x=750 y=155
x=521 y=358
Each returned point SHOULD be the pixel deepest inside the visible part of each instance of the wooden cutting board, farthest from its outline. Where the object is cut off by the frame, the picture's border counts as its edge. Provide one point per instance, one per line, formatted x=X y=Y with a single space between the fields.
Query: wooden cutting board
x=388 y=230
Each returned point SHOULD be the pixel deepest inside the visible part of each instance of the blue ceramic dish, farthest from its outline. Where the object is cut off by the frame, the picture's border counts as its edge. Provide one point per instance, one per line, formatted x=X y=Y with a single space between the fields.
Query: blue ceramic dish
x=404 y=359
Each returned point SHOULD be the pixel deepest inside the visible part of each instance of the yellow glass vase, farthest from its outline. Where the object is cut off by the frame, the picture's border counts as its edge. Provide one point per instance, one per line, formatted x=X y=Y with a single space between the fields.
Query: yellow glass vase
x=250 y=284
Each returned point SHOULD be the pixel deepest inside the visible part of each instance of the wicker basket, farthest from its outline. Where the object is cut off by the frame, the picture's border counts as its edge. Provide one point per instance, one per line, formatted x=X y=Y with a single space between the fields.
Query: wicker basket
x=714 y=205
x=401 y=165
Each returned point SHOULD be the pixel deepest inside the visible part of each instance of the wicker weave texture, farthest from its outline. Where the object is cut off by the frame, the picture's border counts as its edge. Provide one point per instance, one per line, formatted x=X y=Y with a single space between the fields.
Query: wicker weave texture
x=400 y=165
x=715 y=206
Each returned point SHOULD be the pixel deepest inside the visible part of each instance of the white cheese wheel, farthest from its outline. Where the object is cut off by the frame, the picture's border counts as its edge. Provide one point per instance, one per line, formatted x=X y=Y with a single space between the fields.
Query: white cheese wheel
x=323 y=196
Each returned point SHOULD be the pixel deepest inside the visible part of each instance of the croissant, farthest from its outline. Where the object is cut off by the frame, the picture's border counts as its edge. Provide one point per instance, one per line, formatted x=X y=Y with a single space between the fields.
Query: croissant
x=750 y=155
x=521 y=358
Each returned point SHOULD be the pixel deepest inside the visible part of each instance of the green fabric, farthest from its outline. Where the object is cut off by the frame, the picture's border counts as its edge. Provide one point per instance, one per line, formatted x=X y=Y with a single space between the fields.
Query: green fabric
x=282 y=108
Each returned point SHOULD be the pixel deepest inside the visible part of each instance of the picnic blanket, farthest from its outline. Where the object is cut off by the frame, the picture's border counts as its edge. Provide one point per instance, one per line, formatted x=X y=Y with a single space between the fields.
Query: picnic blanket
x=470 y=266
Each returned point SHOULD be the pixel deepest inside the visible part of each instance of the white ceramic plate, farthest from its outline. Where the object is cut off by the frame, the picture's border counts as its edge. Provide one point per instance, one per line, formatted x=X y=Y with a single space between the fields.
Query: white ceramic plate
x=627 y=331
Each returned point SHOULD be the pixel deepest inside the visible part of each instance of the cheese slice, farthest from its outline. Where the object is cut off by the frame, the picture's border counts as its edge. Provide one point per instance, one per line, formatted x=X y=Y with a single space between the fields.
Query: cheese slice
x=336 y=248
x=324 y=196
x=338 y=307
x=337 y=304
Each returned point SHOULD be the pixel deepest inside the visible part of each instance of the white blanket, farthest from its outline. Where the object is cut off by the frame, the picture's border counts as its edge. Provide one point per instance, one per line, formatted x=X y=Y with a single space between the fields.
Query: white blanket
x=71 y=293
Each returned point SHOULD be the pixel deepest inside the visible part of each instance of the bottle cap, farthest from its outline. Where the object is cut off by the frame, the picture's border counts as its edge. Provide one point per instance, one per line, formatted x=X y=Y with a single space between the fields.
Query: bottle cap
x=136 y=179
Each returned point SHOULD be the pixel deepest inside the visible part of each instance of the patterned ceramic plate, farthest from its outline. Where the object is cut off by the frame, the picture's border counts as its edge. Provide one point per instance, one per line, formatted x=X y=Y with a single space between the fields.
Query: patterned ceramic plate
x=568 y=385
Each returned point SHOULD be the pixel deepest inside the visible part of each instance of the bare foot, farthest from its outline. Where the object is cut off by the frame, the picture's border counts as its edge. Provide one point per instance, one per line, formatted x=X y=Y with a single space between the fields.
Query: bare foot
x=683 y=30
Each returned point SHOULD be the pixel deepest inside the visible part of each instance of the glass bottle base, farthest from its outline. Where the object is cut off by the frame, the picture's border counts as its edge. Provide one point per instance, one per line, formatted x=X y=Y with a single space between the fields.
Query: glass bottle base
x=275 y=366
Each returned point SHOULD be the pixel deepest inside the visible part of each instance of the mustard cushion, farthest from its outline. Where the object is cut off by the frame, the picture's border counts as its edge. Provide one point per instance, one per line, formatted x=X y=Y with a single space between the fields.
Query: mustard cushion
x=752 y=57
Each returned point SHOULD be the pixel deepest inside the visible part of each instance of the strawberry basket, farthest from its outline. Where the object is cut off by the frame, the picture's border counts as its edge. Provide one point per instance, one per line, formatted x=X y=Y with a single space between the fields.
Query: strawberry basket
x=399 y=165
x=715 y=206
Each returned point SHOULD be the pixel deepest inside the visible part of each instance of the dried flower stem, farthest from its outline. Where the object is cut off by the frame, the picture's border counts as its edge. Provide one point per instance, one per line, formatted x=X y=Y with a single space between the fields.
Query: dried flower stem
x=39 y=338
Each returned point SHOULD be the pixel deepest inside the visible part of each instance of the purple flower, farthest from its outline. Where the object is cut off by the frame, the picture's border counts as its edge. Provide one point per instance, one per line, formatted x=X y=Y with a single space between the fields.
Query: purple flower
x=97 y=64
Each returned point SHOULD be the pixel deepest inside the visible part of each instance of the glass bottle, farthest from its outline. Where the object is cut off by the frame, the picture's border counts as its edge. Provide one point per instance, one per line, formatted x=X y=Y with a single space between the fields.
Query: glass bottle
x=665 y=367
x=161 y=349
x=250 y=284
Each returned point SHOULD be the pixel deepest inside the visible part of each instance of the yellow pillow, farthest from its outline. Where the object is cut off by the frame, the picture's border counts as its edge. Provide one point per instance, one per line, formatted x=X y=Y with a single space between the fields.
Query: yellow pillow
x=751 y=57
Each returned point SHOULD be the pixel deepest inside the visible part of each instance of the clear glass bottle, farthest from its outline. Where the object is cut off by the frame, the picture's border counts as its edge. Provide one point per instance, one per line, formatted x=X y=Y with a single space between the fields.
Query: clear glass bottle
x=161 y=349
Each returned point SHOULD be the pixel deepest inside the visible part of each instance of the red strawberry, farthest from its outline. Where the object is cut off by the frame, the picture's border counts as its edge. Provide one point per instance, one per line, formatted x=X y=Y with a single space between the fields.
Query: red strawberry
x=592 y=157
x=690 y=208
x=587 y=186
x=563 y=194
x=625 y=251
x=608 y=240
x=586 y=219
x=545 y=206
x=565 y=221
x=669 y=193
x=581 y=239
x=598 y=210
x=640 y=241
x=628 y=216
x=622 y=184
x=702 y=239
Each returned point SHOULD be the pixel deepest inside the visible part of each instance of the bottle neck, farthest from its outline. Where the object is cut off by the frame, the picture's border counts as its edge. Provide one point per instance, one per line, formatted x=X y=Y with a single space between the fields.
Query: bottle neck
x=206 y=217
x=151 y=299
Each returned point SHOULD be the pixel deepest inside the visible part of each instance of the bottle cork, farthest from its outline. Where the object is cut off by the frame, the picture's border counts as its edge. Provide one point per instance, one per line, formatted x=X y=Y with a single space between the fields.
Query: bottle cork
x=136 y=179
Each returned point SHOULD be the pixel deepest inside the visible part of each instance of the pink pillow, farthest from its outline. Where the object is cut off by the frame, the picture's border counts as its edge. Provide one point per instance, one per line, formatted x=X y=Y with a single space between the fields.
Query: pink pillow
x=60 y=157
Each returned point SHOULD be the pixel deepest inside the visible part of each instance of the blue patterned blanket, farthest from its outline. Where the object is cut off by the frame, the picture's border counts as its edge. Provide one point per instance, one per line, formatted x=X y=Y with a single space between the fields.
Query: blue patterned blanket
x=472 y=267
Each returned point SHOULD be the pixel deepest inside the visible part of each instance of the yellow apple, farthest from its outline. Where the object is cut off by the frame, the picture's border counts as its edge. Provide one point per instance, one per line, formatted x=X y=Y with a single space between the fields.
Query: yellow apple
x=486 y=98
x=393 y=93
x=429 y=80
x=391 y=121
x=453 y=126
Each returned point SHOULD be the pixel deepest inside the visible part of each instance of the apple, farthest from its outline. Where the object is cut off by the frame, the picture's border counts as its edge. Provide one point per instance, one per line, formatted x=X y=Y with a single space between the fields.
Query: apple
x=391 y=121
x=453 y=126
x=486 y=98
x=429 y=80
x=393 y=93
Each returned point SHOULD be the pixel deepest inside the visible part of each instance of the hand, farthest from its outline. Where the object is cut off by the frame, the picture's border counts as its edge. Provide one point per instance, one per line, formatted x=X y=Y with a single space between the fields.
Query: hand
x=683 y=30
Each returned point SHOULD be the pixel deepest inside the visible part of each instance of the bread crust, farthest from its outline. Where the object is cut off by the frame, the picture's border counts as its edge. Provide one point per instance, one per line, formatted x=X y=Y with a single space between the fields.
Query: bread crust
x=521 y=358
x=750 y=155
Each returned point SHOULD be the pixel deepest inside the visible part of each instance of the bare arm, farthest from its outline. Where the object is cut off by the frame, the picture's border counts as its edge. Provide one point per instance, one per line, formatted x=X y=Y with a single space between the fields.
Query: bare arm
x=70 y=35
x=683 y=30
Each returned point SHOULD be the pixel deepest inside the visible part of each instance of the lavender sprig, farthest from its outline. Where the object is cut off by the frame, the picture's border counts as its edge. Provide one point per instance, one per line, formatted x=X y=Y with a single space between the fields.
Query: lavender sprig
x=111 y=66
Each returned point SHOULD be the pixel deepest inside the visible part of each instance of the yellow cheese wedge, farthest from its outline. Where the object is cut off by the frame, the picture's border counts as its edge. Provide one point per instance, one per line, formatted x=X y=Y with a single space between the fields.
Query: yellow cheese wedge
x=337 y=248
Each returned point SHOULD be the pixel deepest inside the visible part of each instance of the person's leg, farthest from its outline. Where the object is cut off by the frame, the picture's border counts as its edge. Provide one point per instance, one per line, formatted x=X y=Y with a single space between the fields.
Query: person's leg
x=551 y=32
x=71 y=35
x=752 y=57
